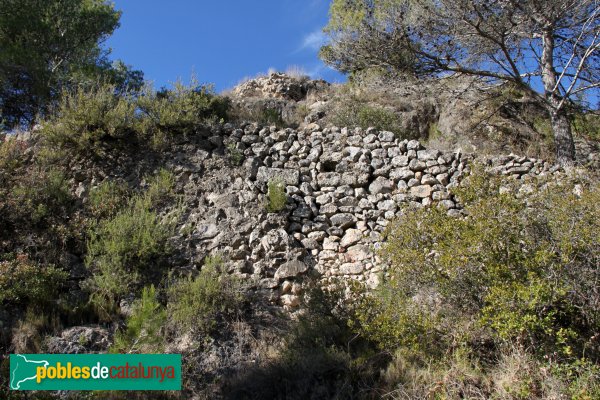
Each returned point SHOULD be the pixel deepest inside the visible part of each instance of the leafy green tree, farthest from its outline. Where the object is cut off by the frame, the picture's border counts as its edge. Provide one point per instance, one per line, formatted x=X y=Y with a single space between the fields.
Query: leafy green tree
x=51 y=45
x=550 y=50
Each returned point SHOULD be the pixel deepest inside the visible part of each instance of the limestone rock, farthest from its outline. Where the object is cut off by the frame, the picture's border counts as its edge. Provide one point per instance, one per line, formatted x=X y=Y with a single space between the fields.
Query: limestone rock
x=381 y=185
x=287 y=176
x=351 y=237
x=422 y=191
x=291 y=269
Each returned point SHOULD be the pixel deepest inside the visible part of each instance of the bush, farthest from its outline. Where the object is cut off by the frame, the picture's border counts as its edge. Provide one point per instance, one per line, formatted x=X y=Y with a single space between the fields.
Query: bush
x=42 y=195
x=198 y=303
x=128 y=248
x=321 y=357
x=354 y=112
x=182 y=110
x=276 y=197
x=107 y=198
x=145 y=326
x=236 y=156
x=23 y=282
x=91 y=118
x=515 y=272
x=354 y=107
x=88 y=117
x=587 y=125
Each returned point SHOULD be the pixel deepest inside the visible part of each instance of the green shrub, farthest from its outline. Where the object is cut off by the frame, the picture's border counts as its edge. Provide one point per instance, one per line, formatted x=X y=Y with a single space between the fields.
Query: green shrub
x=145 y=326
x=276 y=197
x=321 y=357
x=11 y=158
x=272 y=116
x=236 y=156
x=367 y=116
x=587 y=125
x=107 y=198
x=498 y=304
x=198 y=303
x=127 y=248
x=160 y=188
x=41 y=195
x=509 y=267
x=353 y=110
x=25 y=282
x=185 y=109
x=88 y=117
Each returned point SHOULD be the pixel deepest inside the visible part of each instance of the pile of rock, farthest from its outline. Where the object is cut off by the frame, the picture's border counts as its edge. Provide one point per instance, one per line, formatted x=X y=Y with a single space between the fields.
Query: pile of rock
x=278 y=85
x=343 y=186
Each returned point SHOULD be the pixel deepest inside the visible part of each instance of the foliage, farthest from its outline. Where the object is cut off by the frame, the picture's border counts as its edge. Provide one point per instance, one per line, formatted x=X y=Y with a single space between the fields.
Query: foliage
x=321 y=356
x=587 y=125
x=50 y=46
x=236 y=156
x=510 y=282
x=267 y=113
x=353 y=112
x=37 y=209
x=182 y=110
x=276 y=197
x=356 y=105
x=508 y=267
x=88 y=117
x=461 y=36
x=271 y=116
x=145 y=326
x=95 y=118
x=107 y=198
x=198 y=303
x=41 y=199
x=25 y=282
x=125 y=249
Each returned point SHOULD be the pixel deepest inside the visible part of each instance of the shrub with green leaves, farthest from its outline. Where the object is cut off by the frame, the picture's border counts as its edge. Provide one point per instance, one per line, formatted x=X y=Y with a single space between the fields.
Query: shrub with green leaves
x=236 y=156
x=88 y=117
x=128 y=248
x=587 y=125
x=276 y=197
x=94 y=117
x=351 y=110
x=145 y=326
x=501 y=303
x=24 y=282
x=185 y=109
x=41 y=195
x=198 y=303
x=520 y=269
x=107 y=198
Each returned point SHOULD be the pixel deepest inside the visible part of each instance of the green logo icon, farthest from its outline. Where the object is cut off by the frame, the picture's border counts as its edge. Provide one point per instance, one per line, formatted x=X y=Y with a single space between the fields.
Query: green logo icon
x=95 y=372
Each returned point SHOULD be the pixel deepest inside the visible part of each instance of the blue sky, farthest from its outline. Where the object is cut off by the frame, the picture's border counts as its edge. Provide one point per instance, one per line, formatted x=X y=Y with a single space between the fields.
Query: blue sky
x=223 y=41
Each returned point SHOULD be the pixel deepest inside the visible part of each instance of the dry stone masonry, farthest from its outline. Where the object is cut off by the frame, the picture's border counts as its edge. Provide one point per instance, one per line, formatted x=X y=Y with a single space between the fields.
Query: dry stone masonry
x=343 y=188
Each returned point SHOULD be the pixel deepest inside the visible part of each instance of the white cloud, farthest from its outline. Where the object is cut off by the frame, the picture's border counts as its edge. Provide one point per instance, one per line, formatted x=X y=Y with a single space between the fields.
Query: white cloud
x=314 y=40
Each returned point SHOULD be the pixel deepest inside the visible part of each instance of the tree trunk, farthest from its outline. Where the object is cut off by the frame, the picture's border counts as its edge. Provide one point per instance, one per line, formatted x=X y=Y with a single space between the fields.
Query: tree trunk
x=563 y=138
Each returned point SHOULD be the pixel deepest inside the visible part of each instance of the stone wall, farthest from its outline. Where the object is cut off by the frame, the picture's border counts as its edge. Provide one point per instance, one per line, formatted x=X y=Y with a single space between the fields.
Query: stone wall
x=343 y=187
